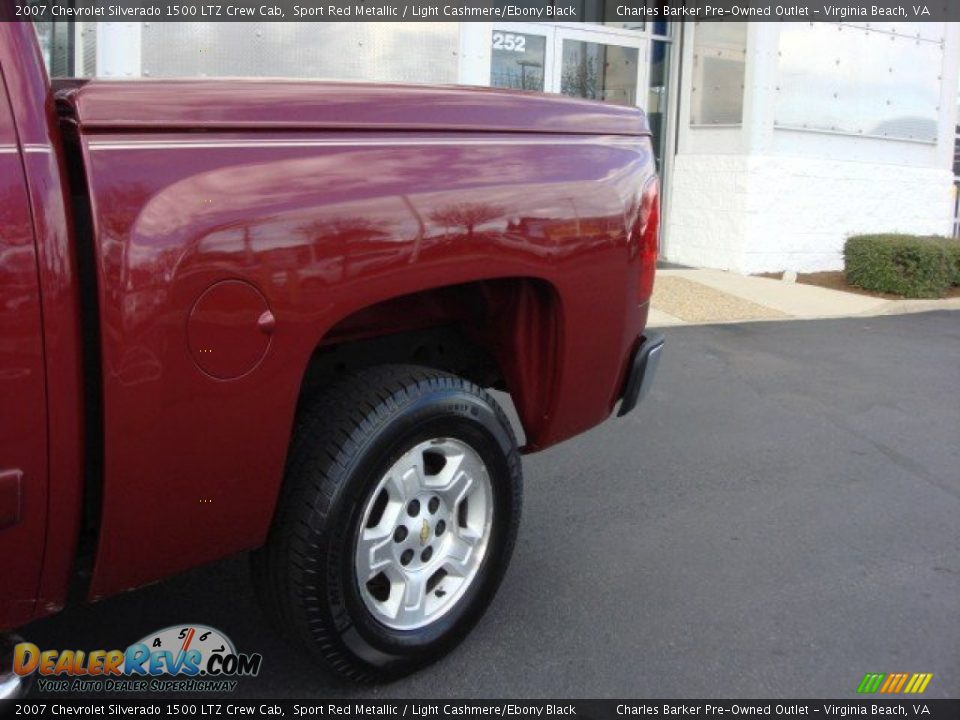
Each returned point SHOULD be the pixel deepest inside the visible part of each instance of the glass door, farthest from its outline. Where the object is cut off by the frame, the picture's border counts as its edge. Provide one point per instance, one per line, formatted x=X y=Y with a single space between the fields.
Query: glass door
x=581 y=60
x=631 y=66
x=521 y=57
x=598 y=65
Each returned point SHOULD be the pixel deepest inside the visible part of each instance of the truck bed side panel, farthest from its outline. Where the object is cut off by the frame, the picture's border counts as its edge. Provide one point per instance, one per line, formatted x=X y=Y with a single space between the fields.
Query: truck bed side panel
x=317 y=226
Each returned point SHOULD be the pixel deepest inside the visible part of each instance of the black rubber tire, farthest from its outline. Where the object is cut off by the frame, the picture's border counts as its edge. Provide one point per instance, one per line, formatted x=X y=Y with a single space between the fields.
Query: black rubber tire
x=346 y=437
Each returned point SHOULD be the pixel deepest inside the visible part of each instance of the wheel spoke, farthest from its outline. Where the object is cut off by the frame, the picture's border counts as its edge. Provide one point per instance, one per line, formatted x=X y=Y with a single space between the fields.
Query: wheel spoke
x=373 y=553
x=458 y=557
x=405 y=482
x=458 y=478
x=414 y=591
x=388 y=521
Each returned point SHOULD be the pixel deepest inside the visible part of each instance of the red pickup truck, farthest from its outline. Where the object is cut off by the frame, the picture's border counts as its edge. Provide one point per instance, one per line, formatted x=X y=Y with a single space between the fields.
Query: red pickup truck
x=246 y=315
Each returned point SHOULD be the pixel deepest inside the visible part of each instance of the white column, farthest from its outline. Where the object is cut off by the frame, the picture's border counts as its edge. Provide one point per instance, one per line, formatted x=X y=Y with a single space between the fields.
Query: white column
x=707 y=223
x=118 y=49
x=474 y=66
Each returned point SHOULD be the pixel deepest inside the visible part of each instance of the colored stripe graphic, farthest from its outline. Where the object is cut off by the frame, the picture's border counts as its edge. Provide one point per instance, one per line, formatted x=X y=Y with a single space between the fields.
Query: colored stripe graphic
x=894 y=683
x=927 y=677
x=870 y=683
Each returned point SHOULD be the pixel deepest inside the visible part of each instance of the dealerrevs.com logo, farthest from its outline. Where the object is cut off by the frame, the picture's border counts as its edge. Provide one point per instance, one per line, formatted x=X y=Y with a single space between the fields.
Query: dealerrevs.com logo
x=180 y=658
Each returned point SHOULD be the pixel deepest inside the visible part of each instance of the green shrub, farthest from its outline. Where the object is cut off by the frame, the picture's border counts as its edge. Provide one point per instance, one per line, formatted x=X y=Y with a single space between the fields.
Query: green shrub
x=953 y=251
x=908 y=265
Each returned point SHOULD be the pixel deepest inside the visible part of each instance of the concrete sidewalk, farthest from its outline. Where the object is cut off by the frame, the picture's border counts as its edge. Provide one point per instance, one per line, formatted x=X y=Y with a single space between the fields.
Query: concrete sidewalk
x=692 y=297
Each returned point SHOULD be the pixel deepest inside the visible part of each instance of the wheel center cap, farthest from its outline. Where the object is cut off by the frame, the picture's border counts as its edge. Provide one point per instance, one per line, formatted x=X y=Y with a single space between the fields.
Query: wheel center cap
x=424 y=533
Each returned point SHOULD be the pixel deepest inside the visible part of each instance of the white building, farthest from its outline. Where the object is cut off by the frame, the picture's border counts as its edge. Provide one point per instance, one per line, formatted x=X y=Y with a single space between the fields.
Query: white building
x=776 y=140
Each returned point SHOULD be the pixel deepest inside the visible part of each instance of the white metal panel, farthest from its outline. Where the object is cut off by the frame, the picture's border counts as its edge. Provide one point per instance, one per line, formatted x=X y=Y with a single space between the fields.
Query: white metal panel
x=857 y=80
x=390 y=52
x=924 y=30
x=118 y=49
x=719 y=65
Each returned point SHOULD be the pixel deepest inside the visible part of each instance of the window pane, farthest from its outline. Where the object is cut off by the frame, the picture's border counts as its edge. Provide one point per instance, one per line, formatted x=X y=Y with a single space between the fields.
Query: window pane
x=602 y=12
x=956 y=154
x=719 y=59
x=599 y=72
x=517 y=60
x=657 y=96
x=56 y=44
x=45 y=38
x=661 y=27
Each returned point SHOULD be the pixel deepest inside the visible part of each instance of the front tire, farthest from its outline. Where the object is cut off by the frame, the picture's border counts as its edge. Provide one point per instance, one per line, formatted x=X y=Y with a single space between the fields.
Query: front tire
x=397 y=520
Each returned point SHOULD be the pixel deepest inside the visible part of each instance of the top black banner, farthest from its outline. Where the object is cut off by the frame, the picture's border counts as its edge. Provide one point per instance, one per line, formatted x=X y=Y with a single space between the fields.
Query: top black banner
x=887 y=11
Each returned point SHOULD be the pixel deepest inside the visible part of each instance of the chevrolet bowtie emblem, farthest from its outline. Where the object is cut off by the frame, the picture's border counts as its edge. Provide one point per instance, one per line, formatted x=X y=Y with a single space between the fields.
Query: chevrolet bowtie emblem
x=424 y=533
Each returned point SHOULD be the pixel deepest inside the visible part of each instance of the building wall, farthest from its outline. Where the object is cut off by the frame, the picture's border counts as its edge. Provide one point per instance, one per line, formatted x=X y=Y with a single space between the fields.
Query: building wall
x=707 y=224
x=760 y=196
x=385 y=52
x=765 y=213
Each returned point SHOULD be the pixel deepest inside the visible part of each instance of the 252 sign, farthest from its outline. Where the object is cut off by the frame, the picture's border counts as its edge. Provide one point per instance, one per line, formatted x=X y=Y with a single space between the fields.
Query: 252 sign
x=511 y=42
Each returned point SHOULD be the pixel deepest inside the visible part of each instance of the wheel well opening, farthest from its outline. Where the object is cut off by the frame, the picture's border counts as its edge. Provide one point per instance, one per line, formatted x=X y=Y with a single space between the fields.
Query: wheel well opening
x=501 y=334
x=444 y=348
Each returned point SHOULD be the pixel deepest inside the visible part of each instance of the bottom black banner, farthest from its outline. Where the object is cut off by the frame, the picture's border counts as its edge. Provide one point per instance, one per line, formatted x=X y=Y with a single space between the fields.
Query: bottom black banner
x=922 y=709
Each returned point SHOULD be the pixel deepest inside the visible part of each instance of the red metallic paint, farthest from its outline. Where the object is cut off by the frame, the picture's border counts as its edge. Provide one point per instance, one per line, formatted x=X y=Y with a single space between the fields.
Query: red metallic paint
x=325 y=231
x=225 y=332
x=333 y=200
x=23 y=412
x=304 y=105
x=43 y=166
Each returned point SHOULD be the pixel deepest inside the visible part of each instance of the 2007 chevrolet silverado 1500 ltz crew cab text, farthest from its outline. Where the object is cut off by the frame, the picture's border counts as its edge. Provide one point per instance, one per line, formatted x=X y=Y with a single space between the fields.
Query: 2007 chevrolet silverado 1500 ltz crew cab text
x=246 y=315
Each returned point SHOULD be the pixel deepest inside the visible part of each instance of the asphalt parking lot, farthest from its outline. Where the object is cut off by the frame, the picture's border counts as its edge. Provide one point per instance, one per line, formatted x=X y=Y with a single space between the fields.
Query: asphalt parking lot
x=781 y=516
